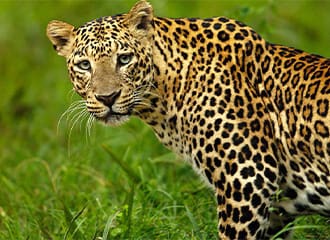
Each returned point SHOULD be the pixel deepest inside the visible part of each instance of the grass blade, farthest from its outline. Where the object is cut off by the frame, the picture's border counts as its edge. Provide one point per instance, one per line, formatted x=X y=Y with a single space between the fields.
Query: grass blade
x=126 y=168
x=73 y=226
x=130 y=210
x=192 y=219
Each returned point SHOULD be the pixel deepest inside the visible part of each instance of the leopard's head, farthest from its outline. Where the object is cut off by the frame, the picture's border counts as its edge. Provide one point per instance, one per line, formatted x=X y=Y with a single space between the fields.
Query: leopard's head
x=109 y=61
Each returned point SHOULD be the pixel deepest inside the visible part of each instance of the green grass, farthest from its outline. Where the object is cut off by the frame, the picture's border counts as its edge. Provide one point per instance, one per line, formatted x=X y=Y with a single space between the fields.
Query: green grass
x=116 y=183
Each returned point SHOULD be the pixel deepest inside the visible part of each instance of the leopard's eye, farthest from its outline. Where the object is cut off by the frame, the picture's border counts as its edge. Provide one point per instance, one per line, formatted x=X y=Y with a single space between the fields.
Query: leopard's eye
x=124 y=59
x=84 y=65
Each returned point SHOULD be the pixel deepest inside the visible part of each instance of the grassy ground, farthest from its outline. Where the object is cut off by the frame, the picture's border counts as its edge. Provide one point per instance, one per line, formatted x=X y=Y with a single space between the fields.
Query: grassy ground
x=114 y=183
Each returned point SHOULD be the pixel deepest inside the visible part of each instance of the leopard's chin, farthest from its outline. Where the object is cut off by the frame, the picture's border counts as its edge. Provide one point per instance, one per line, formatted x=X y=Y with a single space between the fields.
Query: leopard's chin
x=114 y=119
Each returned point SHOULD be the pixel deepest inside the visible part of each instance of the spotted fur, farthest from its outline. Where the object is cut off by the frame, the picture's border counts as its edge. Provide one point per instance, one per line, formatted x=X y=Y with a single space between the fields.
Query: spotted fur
x=251 y=117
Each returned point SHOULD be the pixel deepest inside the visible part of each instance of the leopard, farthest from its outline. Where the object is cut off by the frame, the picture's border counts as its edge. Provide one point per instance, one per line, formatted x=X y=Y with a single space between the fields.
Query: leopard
x=250 y=116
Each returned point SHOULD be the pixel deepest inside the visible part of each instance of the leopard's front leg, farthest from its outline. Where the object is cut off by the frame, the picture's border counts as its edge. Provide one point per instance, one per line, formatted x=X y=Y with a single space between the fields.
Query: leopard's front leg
x=248 y=176
x=243 y=204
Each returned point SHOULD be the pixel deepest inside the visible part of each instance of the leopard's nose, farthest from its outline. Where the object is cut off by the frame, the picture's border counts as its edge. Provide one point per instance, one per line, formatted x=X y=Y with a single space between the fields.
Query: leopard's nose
x=108 y=99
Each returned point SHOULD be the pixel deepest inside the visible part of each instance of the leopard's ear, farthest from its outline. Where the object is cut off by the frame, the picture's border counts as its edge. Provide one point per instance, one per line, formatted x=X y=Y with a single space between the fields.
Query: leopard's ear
x=61 y=35
x=139 y=19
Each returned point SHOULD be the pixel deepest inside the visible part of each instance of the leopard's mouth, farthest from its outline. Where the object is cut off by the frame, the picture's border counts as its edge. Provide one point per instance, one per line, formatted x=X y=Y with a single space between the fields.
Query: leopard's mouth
x=113 y=118
x=108 y=111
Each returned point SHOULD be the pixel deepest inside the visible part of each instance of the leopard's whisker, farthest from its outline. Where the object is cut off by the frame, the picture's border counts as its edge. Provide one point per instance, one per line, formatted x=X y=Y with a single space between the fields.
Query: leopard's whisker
x=81 y=117
x=89 y=124
x=76 y=114
x=76 y=118
x=144 y=93
x=142 y=103
x=75 y=106
x=71 y=93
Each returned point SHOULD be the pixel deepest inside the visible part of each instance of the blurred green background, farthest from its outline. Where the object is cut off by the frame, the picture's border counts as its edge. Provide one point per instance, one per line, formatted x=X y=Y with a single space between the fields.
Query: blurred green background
x=58 y=182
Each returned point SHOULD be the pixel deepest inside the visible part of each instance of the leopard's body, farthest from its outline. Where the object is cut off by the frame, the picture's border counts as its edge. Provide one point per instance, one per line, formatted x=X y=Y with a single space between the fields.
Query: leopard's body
x=252 y=117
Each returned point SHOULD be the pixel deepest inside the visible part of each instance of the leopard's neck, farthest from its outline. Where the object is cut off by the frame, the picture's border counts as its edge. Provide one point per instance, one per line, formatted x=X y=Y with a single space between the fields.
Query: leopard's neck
x=185 y=65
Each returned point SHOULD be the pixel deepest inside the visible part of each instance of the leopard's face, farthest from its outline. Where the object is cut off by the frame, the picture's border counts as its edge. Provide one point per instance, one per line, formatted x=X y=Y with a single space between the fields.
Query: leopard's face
x=104 y=71
x=109 y=62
